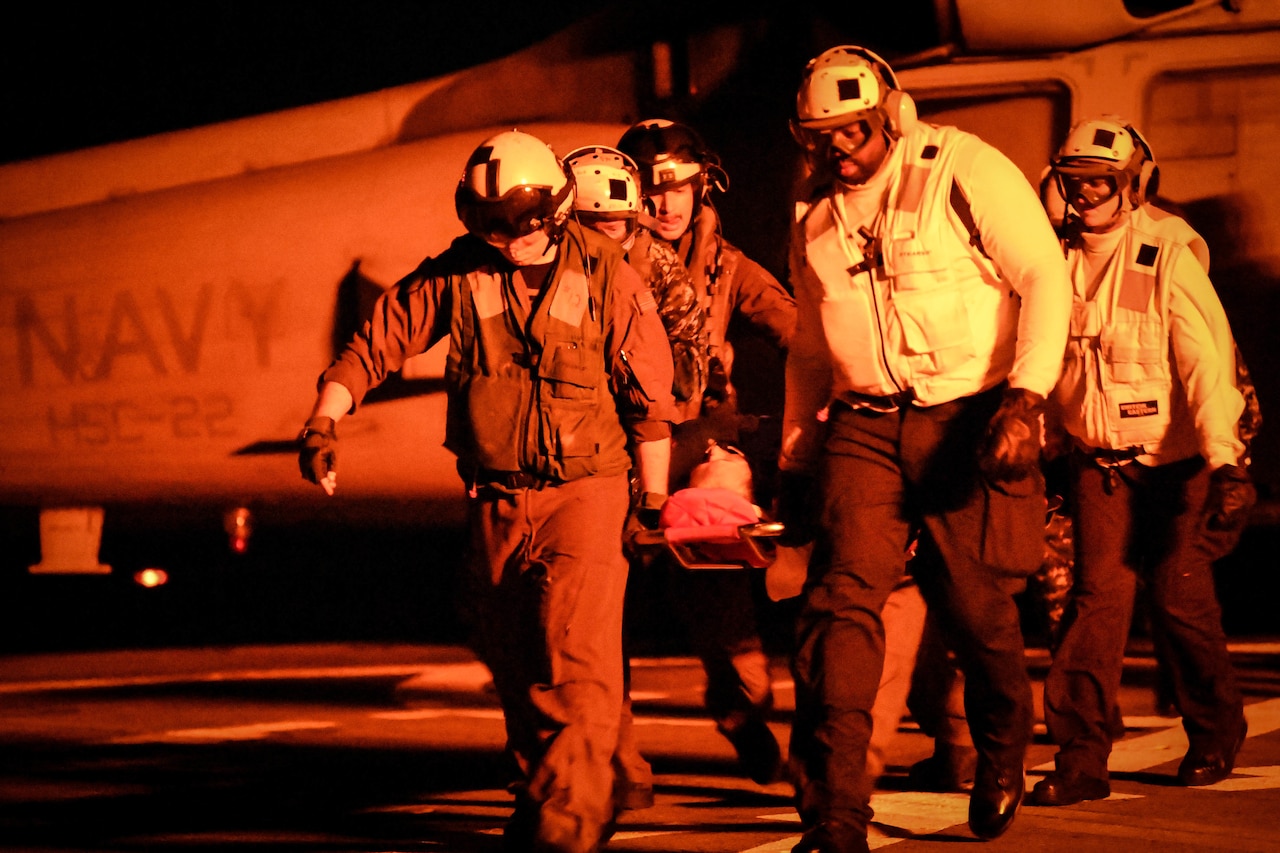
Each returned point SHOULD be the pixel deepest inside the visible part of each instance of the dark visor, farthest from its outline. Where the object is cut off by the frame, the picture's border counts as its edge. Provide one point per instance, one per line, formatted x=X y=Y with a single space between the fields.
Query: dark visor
x=518 y=213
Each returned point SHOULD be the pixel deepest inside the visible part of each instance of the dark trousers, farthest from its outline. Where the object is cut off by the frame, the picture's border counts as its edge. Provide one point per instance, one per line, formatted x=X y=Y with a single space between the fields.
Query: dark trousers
x=1130 y=523
x=883 y=475
x=719 y=608
x=547 y=580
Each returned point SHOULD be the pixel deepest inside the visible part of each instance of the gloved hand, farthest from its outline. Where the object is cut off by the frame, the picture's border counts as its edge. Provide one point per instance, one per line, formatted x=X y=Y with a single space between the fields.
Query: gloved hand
x=318 y=450
x=1011 y=450
x=717 y=390
x=797 y=507
x=644 y=513
x=1231 y=496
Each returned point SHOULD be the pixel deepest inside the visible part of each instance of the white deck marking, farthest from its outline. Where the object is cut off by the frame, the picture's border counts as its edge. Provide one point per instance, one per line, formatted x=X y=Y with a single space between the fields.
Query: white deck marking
x=255 y=731
x=438 y=713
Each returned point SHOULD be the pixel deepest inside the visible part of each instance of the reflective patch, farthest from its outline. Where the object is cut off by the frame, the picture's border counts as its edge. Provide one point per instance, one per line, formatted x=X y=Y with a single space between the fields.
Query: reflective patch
x=913 y=181
x=849 y=90
x=1135 y=290
x=570 y=301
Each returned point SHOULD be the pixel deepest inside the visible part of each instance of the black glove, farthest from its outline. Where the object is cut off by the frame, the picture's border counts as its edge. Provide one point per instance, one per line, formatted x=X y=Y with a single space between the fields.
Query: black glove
x=717 y=390
x=1231 y=496
x=645 y=510
x=318 y=449
x=796 y=506
x=1011 y=450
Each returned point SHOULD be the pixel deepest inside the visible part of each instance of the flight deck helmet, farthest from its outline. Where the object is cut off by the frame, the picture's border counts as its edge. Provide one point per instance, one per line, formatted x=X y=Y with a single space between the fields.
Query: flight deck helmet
x=846 y=84
x=513 y=185
x=669 y=155
x=608 y=185
x=1106 y=147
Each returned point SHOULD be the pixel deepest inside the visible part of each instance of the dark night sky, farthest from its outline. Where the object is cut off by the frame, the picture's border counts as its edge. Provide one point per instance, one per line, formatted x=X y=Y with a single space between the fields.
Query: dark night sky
x=77 y=76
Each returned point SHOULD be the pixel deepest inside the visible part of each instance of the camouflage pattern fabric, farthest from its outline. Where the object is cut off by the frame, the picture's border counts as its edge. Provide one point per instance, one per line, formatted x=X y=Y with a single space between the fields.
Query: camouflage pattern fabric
x=1051 y=584
x=683 y=318
x=1251 y=418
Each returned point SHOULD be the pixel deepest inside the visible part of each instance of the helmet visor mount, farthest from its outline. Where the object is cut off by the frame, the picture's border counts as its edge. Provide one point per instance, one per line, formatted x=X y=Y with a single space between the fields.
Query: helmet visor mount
x=518 y=213
x=668 y=174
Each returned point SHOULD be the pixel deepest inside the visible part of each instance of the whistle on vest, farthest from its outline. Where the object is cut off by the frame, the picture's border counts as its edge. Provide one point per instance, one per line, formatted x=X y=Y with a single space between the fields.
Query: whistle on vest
x=871 y=256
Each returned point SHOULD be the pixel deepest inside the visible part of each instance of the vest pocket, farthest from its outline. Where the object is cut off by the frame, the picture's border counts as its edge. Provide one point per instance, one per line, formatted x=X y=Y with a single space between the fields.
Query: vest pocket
x=1134 y=352
x=564 y=370
x=936 y=327
x=574 y=445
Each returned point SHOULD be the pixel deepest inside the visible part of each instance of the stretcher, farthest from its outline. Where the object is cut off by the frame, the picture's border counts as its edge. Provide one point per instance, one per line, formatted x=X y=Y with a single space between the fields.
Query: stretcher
x=709 y=528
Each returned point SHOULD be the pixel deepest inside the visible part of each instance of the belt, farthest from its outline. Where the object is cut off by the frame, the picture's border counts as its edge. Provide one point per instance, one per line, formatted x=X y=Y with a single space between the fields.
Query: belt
x=509 y=479
x=887 y=403
x=1108 y=458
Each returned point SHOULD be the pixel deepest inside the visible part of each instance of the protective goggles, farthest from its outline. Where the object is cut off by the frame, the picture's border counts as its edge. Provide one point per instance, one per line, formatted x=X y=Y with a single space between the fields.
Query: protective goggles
x=845 y=138
x=1086 y=192
x=520 y=211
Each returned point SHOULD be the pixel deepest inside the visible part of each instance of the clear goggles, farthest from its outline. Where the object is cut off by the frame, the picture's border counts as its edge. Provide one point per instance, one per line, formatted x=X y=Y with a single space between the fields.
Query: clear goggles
x=1087 y=192
x=520 y=211
x=845 y=138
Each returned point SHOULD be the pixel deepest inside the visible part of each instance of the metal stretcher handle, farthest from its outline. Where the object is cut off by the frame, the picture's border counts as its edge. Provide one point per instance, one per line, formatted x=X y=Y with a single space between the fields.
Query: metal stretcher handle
x=683 y=543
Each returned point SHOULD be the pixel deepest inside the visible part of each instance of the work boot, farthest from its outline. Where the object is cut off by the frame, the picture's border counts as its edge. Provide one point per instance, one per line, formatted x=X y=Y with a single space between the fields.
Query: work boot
x=1201 y=767
x=828 y=837
x=1066 y=789
x=758 y=752
x=997 y=794
x=949 y=770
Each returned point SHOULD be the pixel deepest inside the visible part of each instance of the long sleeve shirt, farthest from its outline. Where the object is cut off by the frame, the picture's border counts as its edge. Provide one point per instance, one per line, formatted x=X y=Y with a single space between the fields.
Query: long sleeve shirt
x=960 y=288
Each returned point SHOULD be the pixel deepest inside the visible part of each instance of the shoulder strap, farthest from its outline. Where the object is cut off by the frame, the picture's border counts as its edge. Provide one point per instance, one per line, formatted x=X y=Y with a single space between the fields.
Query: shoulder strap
x=960 y=204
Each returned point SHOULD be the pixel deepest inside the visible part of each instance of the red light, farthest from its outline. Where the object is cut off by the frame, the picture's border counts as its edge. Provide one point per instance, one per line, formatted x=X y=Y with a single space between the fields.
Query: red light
x=238 y=523
x=151 y=578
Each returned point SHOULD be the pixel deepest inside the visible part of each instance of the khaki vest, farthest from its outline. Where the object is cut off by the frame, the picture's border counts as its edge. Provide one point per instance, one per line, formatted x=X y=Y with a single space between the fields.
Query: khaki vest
x=531 y=392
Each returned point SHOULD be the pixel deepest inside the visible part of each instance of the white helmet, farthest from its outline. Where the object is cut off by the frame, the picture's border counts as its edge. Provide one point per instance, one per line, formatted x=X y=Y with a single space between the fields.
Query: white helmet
x=1108 y=147
x=848 y=83
x=608 y=183
x=513 y=185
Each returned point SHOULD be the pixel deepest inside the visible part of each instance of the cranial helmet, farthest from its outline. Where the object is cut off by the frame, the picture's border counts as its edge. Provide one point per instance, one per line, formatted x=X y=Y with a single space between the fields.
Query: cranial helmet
x=607 y=180
x=1108 y=147
x=670 y=155
x=512 y=186
x=846 y=84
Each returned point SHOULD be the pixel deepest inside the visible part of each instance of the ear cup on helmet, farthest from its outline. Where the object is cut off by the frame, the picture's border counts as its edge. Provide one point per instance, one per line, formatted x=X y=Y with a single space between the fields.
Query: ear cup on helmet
x=1055 y=206
x=899 y=112
x=1146 y=183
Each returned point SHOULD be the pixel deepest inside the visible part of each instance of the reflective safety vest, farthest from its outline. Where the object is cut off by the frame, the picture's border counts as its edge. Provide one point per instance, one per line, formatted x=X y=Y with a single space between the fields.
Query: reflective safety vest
x=1118 y=344
x=937 y=319
x=531 y=391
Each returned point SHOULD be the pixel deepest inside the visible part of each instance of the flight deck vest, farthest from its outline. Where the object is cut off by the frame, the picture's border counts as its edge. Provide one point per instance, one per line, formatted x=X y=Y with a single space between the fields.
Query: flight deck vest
x=1128 y=400
x=530 y=391
x=938 y=318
